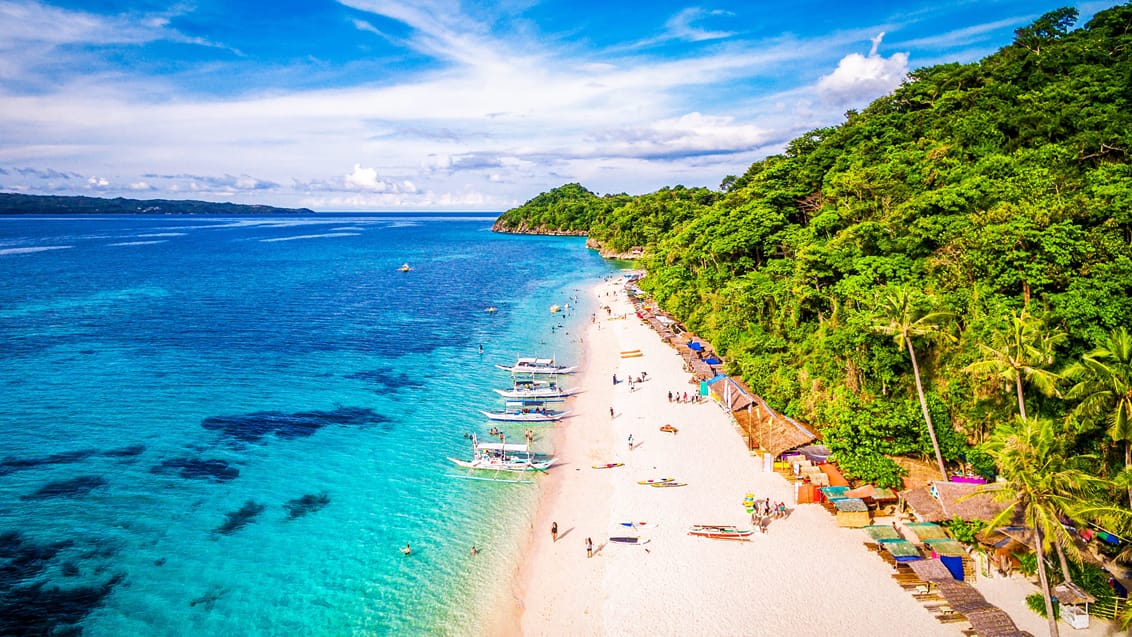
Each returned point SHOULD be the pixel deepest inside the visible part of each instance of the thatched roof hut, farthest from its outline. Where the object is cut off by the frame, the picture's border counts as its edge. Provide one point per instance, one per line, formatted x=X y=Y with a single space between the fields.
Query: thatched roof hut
x=763 y=427
x=941 y=501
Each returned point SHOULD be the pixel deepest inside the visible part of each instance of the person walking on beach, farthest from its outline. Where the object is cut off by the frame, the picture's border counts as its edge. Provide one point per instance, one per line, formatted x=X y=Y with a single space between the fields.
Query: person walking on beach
x=553 y=531
x=630 y=442
x=589 y=548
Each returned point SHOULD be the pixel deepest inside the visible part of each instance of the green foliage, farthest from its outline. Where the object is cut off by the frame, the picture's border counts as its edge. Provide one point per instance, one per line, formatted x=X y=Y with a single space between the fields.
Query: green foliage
x=963 y=530
x=1037 y=603
x=1028 y=566
x=986 y=190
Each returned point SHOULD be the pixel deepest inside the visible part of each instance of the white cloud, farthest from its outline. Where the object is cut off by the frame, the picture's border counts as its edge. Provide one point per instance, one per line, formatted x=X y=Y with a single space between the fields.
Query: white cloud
x=500 y=114
x=860 y=78
x=365 y=179
x=681 y=25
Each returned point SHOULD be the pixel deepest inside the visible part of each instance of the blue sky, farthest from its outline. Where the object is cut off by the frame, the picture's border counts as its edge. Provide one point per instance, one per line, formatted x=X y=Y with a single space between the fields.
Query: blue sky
x=437 y=105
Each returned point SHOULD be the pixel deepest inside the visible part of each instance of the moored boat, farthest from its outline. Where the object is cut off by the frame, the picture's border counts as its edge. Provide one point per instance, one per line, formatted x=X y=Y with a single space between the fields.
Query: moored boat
x=532 y=388
x=526 y=411
x=503 y=456
x=720 y=531
x=528 y=365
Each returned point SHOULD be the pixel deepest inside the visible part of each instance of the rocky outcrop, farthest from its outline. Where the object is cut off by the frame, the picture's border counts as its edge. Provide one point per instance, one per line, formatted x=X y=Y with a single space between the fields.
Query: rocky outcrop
x=523 y=228
x=636 y=252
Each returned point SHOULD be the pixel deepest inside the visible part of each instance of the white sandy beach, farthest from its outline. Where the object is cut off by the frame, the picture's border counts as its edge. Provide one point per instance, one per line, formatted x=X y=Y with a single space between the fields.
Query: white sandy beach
x=805 y=576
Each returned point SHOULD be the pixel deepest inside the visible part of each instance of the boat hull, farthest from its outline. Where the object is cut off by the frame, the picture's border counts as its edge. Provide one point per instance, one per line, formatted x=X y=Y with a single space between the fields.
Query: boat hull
x=508 y=466
x=527 y=369
x=721 y=532
x=509 y=417
x=537 y=394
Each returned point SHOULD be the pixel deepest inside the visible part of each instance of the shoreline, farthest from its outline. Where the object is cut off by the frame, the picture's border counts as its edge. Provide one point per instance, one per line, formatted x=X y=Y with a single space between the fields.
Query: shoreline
x=803 y=576
x=571 y=487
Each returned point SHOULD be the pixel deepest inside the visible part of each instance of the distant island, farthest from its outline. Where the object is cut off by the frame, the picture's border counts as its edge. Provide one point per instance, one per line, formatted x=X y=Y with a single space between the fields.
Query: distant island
x=15 y=204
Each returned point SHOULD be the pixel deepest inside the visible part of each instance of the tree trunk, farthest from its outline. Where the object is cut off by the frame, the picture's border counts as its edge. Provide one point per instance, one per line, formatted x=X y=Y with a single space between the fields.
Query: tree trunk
x=924 y=407
x=1018 y=386
x=1044 y=578
x=1063 y=562
x=1128 y=463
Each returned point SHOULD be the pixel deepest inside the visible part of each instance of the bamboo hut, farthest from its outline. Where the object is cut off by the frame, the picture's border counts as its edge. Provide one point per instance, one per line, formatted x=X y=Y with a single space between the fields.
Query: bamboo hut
x=852 y=513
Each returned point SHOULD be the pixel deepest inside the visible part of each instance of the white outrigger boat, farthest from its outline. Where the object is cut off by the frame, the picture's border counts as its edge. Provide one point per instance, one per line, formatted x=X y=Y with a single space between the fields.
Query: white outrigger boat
x=502 y=457
x=528 y=411
x=531 y=388
x=537 y=366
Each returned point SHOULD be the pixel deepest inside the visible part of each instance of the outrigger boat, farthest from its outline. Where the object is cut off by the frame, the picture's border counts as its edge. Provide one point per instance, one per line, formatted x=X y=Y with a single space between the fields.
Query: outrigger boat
x=537 y=366
x=526 y=411
x=531 y=388
x=720 y=531
x=502 y=457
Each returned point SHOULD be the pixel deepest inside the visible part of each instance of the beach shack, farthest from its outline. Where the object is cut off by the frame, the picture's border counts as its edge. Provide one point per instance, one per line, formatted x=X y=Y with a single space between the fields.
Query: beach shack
x=852 y=513
x=941 y=501
x=763 y=427
x=1074 y=603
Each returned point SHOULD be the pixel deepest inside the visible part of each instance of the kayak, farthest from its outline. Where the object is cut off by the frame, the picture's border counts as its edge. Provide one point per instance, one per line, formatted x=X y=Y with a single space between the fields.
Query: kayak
x=669 y=429
x=609 y=465
x=669 y=484
x=641 y=525
x=655 y=481
x=634 y=541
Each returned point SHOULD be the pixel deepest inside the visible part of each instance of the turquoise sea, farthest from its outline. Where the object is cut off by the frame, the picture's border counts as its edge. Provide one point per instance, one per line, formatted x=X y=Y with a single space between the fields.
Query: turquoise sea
x=230 y=426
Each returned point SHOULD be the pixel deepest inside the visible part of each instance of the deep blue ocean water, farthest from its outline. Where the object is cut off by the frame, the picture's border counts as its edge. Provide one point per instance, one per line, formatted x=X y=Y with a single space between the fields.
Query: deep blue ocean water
x=229 y=426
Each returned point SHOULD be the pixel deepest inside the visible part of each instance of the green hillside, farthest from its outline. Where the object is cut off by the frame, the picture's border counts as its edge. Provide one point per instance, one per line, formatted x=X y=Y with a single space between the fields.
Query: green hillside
x=996 y=194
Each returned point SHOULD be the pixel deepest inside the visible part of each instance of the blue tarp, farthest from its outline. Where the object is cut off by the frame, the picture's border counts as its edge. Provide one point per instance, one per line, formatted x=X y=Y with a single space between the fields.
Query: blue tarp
x=713 y=361
x=954 y=564
x=695 y=347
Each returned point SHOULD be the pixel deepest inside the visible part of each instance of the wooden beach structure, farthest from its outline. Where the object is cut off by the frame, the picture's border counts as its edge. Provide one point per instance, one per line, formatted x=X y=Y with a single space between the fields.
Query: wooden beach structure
x=941 y=501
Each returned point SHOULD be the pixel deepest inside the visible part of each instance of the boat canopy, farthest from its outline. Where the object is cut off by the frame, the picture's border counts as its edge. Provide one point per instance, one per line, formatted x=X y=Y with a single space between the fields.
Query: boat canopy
x=503 y=446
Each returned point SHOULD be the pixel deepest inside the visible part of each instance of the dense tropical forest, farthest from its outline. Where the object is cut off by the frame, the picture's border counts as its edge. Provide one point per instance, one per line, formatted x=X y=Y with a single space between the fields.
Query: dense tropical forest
x=947 y=274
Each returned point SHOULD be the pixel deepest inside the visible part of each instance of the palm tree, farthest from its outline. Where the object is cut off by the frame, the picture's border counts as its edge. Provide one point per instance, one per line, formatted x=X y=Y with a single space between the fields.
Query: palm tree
x=1022 y=353
x=902 y=319
x=1042 y=484
x=1104 y=387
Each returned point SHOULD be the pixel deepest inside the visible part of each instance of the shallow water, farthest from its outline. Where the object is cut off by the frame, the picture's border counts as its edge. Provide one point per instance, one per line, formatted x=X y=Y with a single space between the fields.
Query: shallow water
x=228 y=426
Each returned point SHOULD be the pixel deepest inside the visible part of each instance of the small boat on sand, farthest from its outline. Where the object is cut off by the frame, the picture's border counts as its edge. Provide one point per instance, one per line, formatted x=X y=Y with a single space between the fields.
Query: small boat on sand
x=640 y=525
x=630 y=540
x=656 y=480
x=720 y=532
x=669 y=429
x=663 y=485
